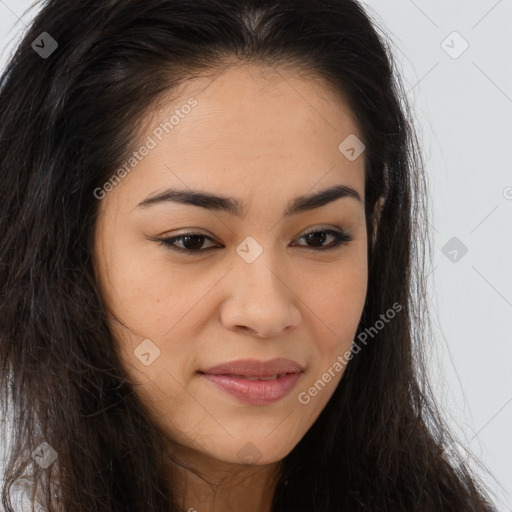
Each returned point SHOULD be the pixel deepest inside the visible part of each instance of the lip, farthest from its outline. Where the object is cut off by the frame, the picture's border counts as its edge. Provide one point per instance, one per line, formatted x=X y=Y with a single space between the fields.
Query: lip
x=234 y=378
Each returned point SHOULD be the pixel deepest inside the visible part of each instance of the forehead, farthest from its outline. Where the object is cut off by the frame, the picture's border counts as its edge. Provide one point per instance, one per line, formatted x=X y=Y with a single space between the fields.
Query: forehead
x=250 y=129
x=245 y=97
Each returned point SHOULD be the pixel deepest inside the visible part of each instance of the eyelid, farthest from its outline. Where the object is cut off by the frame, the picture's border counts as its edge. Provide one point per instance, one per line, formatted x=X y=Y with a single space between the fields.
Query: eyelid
x=206 y=233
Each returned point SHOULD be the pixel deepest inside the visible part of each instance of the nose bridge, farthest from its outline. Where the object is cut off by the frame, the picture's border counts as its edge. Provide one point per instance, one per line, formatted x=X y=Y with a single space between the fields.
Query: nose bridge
x=260 y=299
x=259 y=271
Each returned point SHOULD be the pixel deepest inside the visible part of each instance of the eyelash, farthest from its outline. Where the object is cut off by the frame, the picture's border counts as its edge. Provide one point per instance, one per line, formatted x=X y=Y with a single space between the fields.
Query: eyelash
x=341 y=238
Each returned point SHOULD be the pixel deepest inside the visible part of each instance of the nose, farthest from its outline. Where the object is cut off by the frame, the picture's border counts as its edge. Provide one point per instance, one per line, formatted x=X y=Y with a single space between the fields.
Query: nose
x=262 y=303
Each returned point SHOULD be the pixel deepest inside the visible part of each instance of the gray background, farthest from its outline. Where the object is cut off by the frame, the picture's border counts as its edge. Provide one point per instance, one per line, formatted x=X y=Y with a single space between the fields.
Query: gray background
x=462 y=104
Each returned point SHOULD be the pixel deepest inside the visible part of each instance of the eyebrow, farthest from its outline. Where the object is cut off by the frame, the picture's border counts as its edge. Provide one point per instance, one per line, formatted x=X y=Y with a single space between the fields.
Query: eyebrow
x=233 y=206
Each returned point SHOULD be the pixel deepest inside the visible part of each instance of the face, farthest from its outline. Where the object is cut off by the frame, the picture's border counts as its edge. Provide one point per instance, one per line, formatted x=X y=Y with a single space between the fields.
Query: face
x=194 y=285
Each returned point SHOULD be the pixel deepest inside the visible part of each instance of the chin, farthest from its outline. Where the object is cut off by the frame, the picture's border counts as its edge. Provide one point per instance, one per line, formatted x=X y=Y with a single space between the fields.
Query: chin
x=255 y=450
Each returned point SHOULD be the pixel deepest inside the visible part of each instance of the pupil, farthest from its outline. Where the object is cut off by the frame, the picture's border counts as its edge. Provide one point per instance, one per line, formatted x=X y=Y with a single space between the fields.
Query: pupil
x=318 y=236
x=195 y=238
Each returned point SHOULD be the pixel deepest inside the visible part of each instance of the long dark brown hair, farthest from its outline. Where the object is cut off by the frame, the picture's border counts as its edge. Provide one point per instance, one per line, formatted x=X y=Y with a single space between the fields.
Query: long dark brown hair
x=67 y=121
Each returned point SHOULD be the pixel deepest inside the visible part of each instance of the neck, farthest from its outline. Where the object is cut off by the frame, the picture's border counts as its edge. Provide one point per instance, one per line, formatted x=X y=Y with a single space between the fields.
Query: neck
x=220 y=486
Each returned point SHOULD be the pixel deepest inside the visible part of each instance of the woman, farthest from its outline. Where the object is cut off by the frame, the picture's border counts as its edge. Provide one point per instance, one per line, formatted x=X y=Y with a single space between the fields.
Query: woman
x=212 y=293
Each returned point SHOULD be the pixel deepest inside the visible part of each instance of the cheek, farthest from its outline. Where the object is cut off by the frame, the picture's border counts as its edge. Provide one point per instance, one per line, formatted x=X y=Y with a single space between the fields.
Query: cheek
x=142 y=288
x=336 y=300
x=336 y=303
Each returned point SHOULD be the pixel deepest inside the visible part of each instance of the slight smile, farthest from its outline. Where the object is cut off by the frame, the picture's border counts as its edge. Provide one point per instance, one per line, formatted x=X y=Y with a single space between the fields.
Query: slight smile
x=255 y=382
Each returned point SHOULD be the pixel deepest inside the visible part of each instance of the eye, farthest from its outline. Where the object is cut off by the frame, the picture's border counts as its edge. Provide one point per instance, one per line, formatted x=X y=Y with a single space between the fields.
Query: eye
x=319 y=236
x=192 y=243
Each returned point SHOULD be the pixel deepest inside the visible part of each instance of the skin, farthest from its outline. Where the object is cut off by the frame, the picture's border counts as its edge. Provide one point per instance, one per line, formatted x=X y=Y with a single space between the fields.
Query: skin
x=263 y=136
